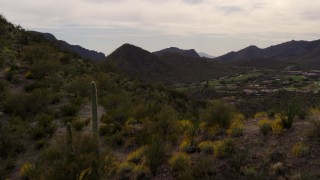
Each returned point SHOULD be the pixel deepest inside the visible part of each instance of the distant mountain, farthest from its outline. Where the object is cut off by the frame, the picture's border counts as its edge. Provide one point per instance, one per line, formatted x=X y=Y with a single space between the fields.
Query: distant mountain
x=205 y=55
x=302 y=54
x=169 y=67
x=189 y=53
x=82 y=52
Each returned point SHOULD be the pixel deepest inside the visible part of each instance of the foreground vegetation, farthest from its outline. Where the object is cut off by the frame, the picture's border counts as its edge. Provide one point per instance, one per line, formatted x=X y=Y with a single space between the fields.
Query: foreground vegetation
x=136 y=131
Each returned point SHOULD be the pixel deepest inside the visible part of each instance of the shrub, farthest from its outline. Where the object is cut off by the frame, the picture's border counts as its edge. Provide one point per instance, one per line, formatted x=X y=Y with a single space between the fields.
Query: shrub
x=206 y=147
x=141 y=172
x=236 y=128
x=78 y=124
x=224 y=148
x=137 y=155
x=69 y=109
x=180 y=162
x=300 y=149
x=125 y=169
x=204 y=167
x=103 y=129
x=265 y=126
x=218 y=114
x=27 y=171
x=314 y=131
x=276 y=126
x=260 y=115
x=288 y=115
x=155 y=154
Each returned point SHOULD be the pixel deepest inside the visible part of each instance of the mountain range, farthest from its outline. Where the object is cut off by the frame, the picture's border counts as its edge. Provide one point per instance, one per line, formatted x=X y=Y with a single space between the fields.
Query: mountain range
x=170 y=65
x=82 y=52
x=301 y=54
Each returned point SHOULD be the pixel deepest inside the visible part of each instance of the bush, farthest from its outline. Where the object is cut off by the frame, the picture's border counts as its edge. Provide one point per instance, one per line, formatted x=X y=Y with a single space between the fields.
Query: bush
x=287 y=116
x=180 y=162
x=218 y=113
x=206 y=147
x=265 y=126
x=276 y=126
x=300 y=149
x=78 y=124
x=69 y=109
x=314 y=131
x=204 y=167
x=224 y=148
x=141 y=172
x=236 y=128
x=155 y=154
x=27 y=171
x=260 y=115
x=125 y=169
x=137 y=155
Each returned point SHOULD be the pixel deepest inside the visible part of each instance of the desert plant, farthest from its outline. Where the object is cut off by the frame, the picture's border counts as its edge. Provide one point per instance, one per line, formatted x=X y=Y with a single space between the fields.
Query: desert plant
x=236 y=128
x=95 y=132
x=276 y=126
x=224 y=148
x=155 y=154
x=180 y=162
x=288 y=114
x=265 y=126
x=125 y=169
x=206 y=147
x=70 y=147
x=141 y=172
x=300 y=149
x=78 y=124
x=218 y=114
x=137 y=155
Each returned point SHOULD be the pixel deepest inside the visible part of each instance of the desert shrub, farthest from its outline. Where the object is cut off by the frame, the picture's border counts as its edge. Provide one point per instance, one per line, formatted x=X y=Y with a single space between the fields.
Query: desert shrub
x=103 y=129
x=180 y=162
x=300 y=149
x=27 y=171
x=137 y=155
x=265 y=126
x=204 y=167
x=44 y=126
x=288 y=114
x=218 y=113
x=314 y=131
x=206 y=147
x=236 y=128
x=155 y=154
x=125 y=170
x=142 y=172
x=185 y=144
x=260 y=115
x=57 y=164
x=224 y=148
x=69 y=109
x=78 y=124
x=276 y=126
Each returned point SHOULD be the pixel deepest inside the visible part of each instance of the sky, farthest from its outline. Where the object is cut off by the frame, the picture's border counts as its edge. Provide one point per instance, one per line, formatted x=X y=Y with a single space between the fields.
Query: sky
x=212 y=26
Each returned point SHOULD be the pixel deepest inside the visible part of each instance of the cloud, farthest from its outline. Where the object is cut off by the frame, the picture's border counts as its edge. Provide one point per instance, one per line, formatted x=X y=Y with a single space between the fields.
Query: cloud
x=169 y=16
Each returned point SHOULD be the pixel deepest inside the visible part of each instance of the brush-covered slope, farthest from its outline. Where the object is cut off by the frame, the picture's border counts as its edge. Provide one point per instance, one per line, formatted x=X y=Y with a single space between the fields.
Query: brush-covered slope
x=82 y=52
x=169 y=67
x=189 y=53
x=302 y=54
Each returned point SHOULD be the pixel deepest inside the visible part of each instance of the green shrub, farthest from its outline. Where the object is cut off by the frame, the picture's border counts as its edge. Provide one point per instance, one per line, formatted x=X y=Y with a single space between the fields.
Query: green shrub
x=180 y=162
x=300 y=149
x=125 y=168
x=288 y=114
x=204 y=167
x=314 y=131
x=78 y=124
x=69 y=109
x=142 y=172
x=218 y=113
x=265 y=126
x=206 y=147
x=155 y=154
x=224 y=148
x=137 y=155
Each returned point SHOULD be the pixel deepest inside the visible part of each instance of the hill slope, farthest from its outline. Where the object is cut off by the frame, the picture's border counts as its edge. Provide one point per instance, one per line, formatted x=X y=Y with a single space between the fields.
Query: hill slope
x=167 y=67
x=82 y=52
x=189 y=53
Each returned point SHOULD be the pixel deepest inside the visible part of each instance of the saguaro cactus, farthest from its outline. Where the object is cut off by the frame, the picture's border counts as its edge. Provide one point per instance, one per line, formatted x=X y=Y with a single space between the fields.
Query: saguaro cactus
x=95 y=132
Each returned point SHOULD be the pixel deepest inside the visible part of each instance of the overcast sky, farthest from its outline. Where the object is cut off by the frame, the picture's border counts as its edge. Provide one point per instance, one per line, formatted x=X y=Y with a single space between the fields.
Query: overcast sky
x=212 y=26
